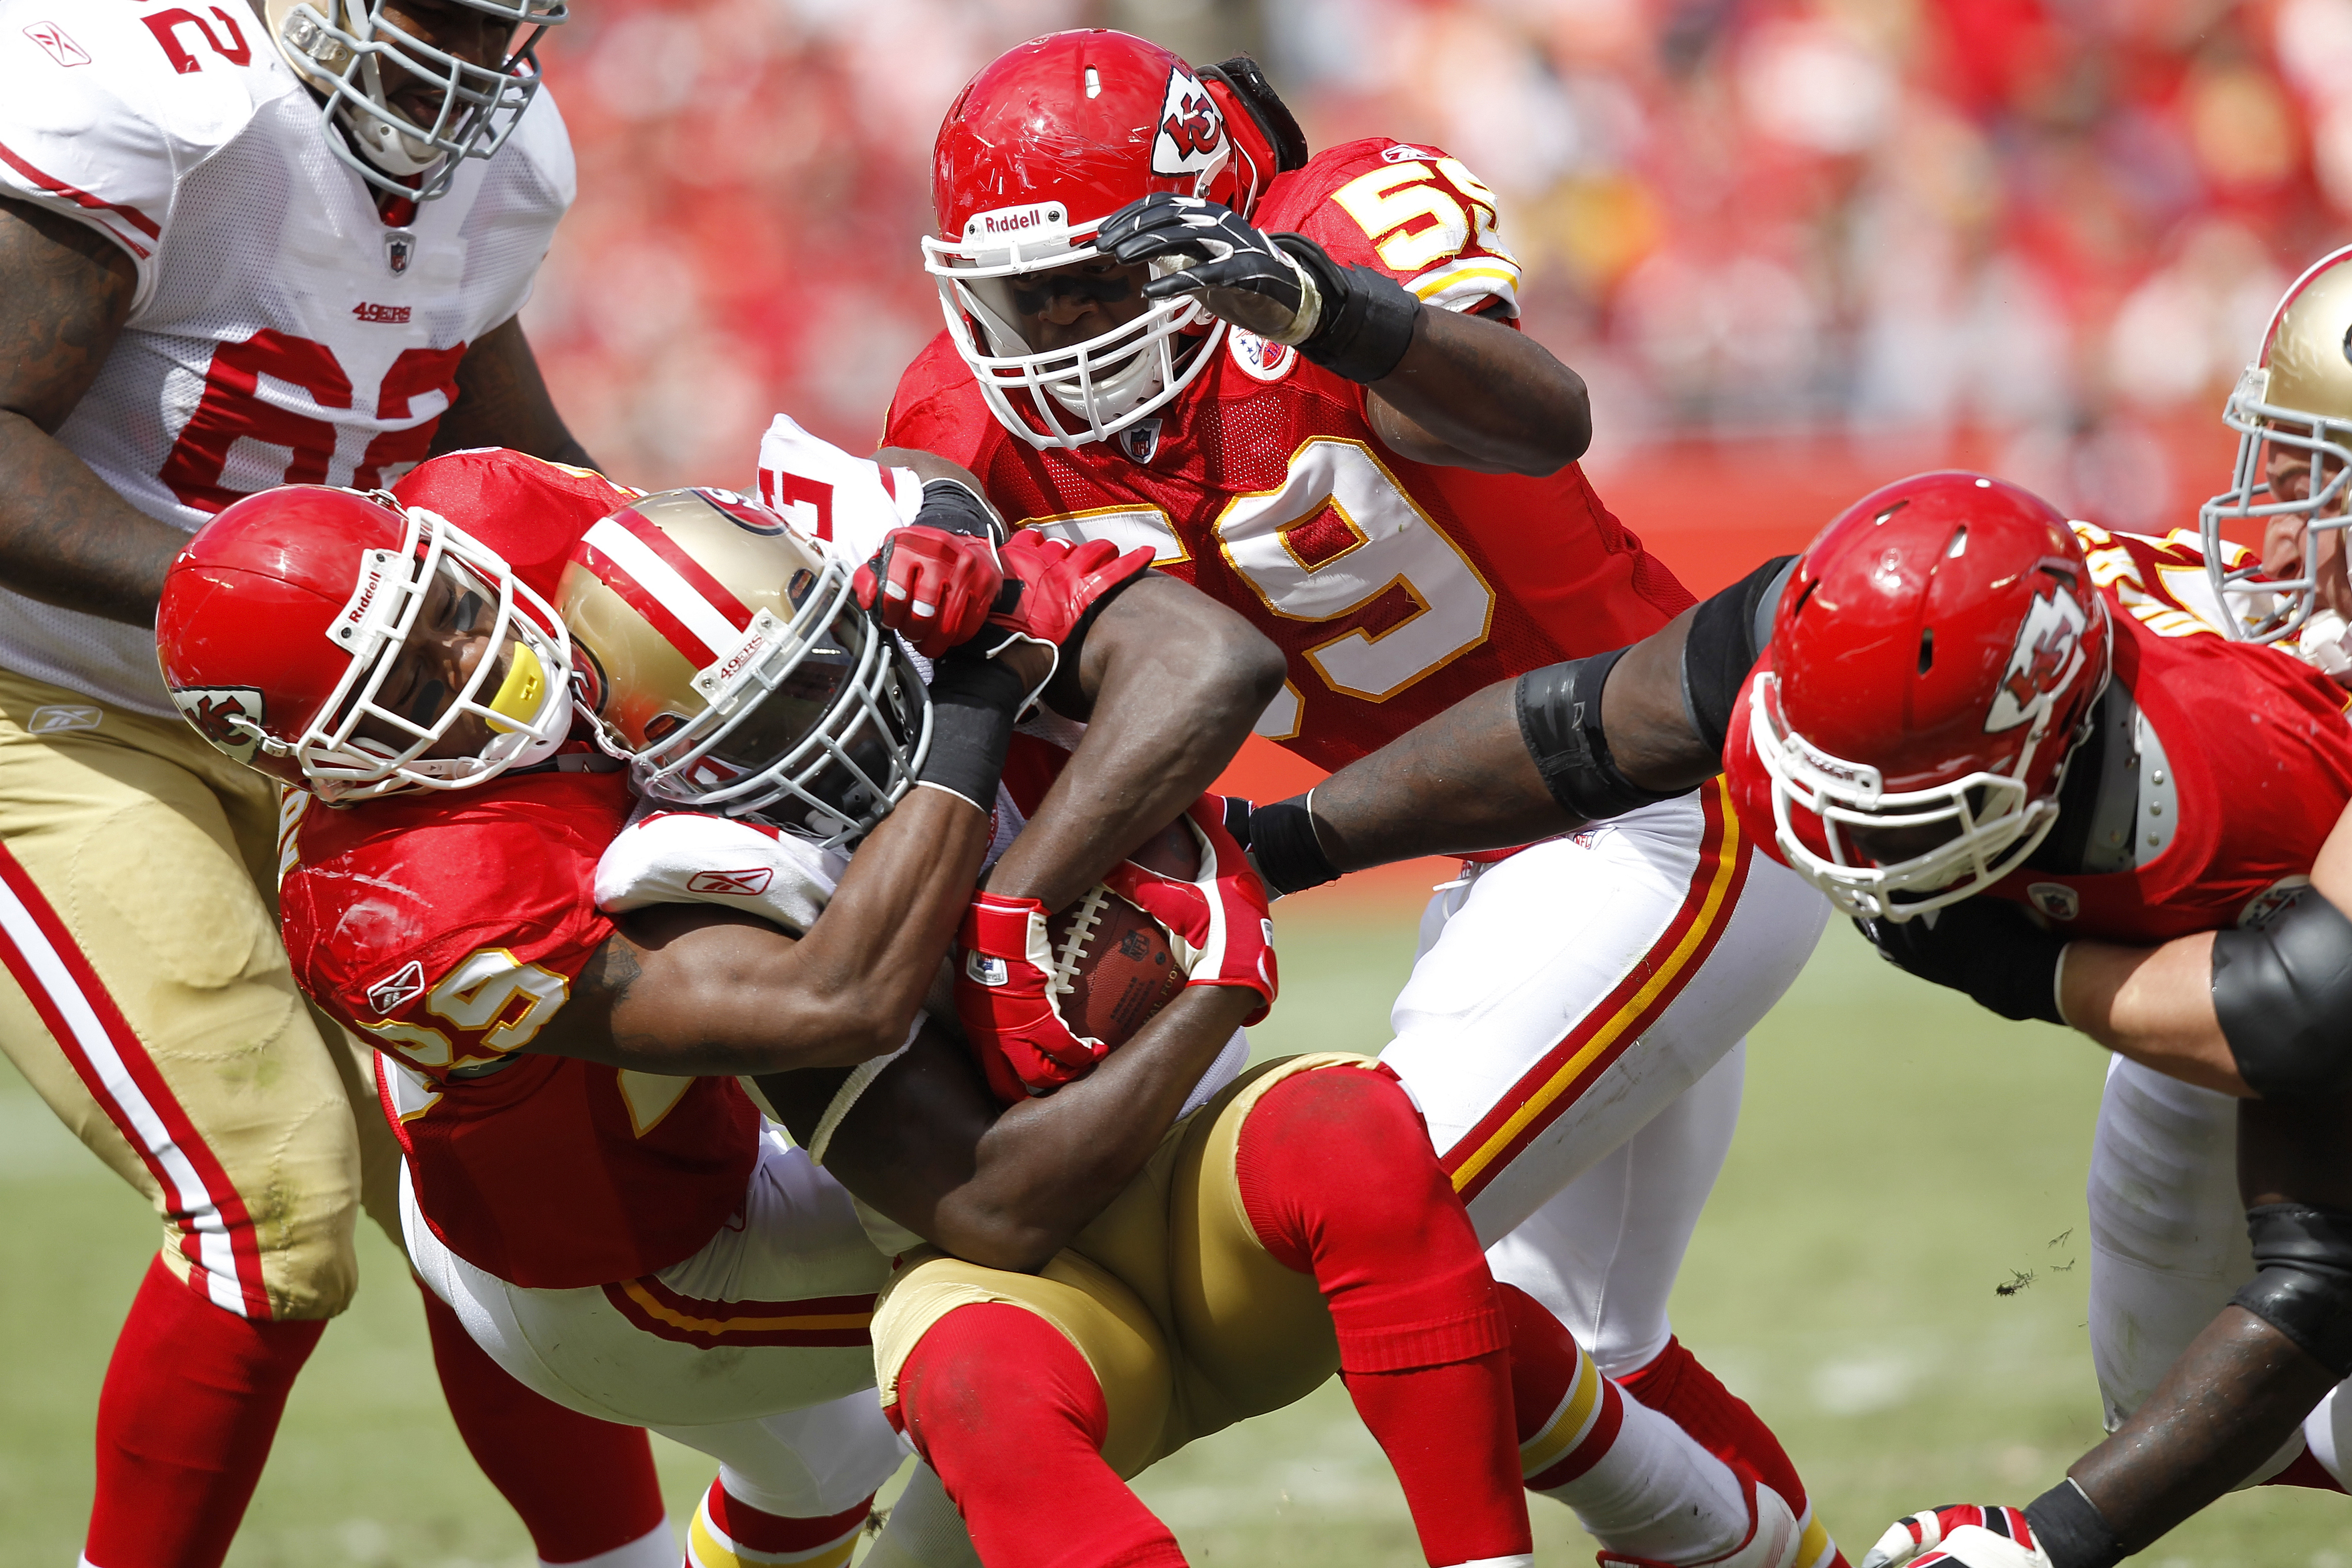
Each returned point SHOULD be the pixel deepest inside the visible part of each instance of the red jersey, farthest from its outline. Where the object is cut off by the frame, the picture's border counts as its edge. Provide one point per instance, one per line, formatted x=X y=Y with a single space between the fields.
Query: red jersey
x=2217 y=770
x=1393 y=588
x=447 y=928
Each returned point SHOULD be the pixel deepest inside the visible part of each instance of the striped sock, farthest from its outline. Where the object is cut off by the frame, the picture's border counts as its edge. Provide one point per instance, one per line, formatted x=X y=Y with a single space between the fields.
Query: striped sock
x=1636 y=1482
x=729 y=1532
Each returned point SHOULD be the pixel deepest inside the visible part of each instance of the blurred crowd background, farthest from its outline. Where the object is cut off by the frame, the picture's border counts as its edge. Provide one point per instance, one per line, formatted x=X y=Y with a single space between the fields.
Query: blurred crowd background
x=1793 y=245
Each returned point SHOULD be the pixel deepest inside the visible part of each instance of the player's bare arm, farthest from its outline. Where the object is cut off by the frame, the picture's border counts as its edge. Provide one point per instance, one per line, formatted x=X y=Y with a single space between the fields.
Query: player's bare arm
x=1542 y=754
x=1002 y=1186
x=1471 y=393
x=1159 y=650
x=1446 y=387
x=65 y=536
x=502 y=401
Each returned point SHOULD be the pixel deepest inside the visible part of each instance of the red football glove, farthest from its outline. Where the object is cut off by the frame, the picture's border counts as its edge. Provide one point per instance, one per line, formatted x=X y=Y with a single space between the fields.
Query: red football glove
x=1059 y=583
x=1005 y=992
x=936 y=588
x=1005 y=996
x=1223 y=931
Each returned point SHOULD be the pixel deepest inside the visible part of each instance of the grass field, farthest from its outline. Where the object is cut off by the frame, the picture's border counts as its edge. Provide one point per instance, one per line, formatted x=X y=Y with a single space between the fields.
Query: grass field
x=1901 y=1155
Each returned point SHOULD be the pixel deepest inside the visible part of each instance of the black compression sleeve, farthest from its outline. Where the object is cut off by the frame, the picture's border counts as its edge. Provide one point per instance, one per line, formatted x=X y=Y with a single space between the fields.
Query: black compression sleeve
x=972 y=704
x=2283 y=996
x=1559 y=722
x=2070 y=1531
x=953 y=506
x=1284 y=849
x=1728 y=635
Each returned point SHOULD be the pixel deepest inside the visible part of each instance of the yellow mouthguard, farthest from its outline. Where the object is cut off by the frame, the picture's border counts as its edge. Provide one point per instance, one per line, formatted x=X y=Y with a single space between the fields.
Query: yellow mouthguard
x=520 y=693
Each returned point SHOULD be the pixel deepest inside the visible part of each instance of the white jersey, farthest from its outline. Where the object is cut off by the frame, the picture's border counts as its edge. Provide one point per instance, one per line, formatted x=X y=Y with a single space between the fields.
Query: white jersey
x=281 y=331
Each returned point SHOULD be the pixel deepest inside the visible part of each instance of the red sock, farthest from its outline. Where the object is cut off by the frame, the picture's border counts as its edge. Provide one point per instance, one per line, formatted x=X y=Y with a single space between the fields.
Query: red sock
x=1336 y=1176
x=1677 y=1387
x=191 y=1401
x=1010 y=1417
x=2306 y=1471
x=583 y=1487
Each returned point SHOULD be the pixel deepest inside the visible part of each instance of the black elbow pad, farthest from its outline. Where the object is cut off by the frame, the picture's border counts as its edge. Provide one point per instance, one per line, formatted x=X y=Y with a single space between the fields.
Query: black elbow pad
x=2303 y=1289
x=2283 y=993
x=1559 y=720
x=1728 y=635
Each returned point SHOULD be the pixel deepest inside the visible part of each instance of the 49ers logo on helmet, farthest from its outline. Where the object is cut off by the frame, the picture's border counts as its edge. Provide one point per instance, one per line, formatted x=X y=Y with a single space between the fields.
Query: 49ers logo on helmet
x=228 y=716
x=1192 y=138
x=2042 y=663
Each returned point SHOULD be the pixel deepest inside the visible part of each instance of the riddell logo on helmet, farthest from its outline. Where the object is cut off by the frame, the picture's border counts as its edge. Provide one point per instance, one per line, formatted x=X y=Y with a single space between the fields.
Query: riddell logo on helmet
x=1192 y=137
x=2044 y=660
x=1017 y=222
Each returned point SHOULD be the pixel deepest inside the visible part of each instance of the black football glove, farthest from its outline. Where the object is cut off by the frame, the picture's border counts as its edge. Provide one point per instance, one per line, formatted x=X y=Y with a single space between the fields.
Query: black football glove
x=1237 y=271
x=1351 y=320
x=1988 y=948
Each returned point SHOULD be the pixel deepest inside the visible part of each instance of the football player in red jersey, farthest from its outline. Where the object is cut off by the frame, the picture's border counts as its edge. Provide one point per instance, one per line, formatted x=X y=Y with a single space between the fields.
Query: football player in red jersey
x=1948 y=709
x=1339 y=431
x=553 y=1148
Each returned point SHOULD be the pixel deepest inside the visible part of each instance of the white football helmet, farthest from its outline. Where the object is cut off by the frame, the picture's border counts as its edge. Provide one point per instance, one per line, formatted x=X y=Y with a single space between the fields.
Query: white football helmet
x=2296 y=397
x=355 y=55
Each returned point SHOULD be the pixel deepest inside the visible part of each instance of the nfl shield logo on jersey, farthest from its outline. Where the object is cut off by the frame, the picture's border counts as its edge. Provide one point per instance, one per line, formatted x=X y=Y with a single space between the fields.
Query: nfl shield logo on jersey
x=2055 y=899
x=1140 y=440
x=399 y=250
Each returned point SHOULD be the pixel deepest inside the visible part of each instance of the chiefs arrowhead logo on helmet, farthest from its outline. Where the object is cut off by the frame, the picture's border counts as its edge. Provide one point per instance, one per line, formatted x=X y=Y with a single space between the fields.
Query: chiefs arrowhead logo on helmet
x=228 y=716
x=2045 y=657
x=1192 y=133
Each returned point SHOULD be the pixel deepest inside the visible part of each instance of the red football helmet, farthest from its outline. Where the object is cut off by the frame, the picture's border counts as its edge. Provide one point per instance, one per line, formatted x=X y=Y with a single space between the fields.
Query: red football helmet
x=1933 y=659
x=286 y=615
x=1051 y=137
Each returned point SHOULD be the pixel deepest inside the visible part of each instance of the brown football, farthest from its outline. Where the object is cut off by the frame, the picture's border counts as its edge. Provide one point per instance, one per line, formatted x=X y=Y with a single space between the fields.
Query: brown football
x=1119 y=961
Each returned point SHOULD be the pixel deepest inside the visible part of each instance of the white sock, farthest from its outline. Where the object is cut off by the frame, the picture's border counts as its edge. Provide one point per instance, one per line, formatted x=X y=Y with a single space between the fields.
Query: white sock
x=924 y=1530
x=657 y=1548
x=1651 y=1490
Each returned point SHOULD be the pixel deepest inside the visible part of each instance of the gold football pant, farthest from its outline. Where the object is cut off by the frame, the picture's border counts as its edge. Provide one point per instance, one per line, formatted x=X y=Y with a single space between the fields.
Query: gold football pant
x=148 y=999
x=1184 y=1318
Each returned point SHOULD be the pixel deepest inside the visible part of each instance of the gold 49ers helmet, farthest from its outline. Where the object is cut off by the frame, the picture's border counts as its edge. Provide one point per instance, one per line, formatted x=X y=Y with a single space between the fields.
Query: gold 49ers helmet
x=2293 y=414
x=722 y=657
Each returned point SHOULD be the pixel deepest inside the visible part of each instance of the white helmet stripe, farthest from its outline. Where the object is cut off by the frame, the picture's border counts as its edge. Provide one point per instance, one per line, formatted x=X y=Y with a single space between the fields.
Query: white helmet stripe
x=660 y=582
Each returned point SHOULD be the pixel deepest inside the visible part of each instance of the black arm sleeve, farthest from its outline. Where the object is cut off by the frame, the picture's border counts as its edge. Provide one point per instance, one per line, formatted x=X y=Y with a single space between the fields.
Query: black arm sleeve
x=1559 y=722
x=1727 y=636
x=2283 y=994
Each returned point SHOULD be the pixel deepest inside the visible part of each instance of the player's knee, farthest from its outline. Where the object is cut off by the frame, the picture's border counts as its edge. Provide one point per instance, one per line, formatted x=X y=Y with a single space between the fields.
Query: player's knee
x=2303 y=1284
x=1340 y=1145
x=990 y=1368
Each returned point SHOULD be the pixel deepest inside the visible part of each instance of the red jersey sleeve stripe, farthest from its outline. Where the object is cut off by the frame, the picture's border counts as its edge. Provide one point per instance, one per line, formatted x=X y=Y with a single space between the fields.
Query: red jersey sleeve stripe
x=55 y=186
x=217 y=1233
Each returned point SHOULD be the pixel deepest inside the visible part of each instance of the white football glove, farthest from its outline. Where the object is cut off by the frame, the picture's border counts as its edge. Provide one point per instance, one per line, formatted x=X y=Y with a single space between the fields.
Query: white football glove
x=1966 y=1534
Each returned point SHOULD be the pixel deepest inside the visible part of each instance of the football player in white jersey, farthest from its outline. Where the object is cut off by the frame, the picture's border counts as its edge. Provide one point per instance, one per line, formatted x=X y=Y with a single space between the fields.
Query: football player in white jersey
x=238 y=246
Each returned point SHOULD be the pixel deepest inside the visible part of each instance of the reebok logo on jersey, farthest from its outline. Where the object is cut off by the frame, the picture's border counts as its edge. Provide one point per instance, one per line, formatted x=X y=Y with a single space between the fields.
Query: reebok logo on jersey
x=62 y=716
x=1191 y=135
x=62 y=49
x=2044 y=659
x=384 y=315
x=749 y=883
x=398 y=989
